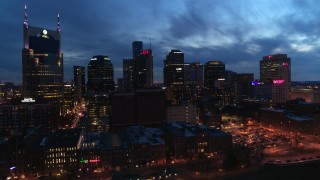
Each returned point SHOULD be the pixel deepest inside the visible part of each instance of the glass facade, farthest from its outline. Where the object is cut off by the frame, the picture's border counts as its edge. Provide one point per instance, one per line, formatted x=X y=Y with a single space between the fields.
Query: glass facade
x=100 y=75
x=42 y=64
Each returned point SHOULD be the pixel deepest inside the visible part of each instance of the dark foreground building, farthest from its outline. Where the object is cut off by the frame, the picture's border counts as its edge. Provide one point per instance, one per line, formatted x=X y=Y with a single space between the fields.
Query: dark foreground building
x=27 y=115
x=144 y=107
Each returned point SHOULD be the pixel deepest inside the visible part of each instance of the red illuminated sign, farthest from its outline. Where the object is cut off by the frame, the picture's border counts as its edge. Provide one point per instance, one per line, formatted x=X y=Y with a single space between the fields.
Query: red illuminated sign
x=270 y=57
x=94 y=160
x=279 y=81
x=285 y=64
x=145 y=52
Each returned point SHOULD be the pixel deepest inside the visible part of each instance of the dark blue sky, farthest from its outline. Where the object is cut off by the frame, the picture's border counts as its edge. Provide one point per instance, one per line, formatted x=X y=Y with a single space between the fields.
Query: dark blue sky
x=237 y=32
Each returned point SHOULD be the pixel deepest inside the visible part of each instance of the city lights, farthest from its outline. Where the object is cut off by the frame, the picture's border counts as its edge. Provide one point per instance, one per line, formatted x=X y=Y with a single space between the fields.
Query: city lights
x=92 y=102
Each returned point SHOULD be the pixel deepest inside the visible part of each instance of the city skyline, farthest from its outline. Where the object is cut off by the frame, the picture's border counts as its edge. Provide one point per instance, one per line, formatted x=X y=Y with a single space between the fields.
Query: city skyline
x=244 y=33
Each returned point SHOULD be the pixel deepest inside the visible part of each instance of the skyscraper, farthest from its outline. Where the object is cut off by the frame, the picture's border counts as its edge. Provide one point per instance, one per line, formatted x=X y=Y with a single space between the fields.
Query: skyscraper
x=100 y=85
x=193 y=81
x=68 y=98
x=128 y=74
x=42 y=62
x=214 y=82
x=275 y=73
x=79 y=82
x=173 y=71
x=100 y=75
x=275 y=67
x=137 y=47
x=213 y=72
x=173 y=76
x=193 y=73
x=144 y=69
x=242 y=84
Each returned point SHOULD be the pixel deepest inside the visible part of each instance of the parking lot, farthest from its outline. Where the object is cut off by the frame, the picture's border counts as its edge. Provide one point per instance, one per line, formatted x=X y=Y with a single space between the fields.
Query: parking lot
x=275 y=145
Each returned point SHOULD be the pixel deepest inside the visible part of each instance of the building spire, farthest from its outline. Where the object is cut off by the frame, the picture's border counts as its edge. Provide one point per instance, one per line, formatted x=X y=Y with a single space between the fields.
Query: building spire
x=58 y=25
x=25 y=15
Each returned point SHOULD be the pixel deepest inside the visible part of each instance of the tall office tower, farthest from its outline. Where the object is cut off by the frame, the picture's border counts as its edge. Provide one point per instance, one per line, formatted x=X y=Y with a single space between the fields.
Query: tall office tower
x=79 y=82
x=193 y=81
x=42 y=62
x=193 y=73
x=173 y=76
x=137 y=47
x=214 y=71
x=173 y=71
x=214 y=82
x=274 y=67
x=68 y=98
x=242 y=85
x=100 y=85
x=226 y=88
x=144 y=69
x=275 y=71
x=99 y=111
x=1 y=92
x=100 y=75
x=128 y=74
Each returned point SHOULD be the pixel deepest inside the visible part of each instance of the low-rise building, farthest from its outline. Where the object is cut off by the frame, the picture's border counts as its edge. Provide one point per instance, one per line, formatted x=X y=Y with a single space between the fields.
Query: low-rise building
x=61 y=150
x=289 y=121
x=188 y=140
x=148 y=146
x=184 y=112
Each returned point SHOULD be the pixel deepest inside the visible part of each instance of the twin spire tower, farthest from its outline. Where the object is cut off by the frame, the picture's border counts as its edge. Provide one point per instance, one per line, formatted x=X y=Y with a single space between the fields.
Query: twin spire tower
x=25 y=22
x=42 y=62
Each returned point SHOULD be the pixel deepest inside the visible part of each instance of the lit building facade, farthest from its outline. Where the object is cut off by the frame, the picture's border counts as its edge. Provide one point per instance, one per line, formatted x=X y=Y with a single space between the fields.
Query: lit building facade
x=173 y=72
x=68 y=98
x=61 y=151
x=100 y=75
x=184 y=112
x=213 y=71
x=193 y=73
x=42 y=63
x=193 y=81
x=100 y=86
x=99 y=111
x=128 y=74
x=144 y=69
x=173 y=76
x=214 y=82
x=276 y=70
x=79 y=82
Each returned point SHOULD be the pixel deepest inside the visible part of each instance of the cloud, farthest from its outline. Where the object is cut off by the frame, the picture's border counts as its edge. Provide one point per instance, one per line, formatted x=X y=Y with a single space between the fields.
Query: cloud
x=238 y=33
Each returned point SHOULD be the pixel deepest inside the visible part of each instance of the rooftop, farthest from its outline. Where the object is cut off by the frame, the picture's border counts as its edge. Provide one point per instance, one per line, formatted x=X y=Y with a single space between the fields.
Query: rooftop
x=299 y=118
x=143 y=135
x=189 y=129
x=274 y=110
x=63 y=138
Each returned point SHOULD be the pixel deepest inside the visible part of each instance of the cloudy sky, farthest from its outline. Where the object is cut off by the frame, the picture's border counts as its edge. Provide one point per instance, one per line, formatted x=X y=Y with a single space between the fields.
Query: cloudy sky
x=236 y=32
